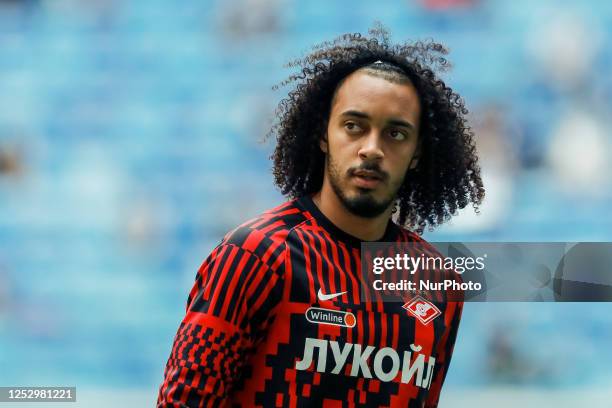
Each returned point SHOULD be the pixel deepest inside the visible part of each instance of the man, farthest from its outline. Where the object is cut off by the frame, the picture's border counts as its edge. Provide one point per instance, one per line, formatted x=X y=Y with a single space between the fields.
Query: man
x=277 y=316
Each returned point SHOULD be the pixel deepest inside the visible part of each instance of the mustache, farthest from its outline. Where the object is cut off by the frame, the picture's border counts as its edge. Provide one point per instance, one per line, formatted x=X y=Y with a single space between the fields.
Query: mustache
x=372 y=168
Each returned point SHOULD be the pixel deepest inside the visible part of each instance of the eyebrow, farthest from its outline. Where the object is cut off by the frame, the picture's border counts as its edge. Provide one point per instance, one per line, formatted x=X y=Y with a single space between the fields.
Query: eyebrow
x=394 y=121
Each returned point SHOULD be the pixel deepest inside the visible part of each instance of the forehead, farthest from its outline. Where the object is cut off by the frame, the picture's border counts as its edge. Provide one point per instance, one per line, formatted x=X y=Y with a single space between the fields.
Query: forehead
x=374 y=95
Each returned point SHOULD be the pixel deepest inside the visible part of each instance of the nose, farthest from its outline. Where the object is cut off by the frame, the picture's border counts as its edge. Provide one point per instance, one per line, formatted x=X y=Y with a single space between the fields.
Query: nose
x=371 y=148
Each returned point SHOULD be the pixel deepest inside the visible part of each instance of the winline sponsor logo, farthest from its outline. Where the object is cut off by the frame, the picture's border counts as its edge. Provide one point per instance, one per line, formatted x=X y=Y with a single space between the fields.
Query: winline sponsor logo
x=327 y=316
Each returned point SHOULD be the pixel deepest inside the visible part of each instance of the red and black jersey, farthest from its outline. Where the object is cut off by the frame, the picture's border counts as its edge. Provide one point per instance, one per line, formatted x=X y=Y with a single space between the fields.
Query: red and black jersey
x=275 y=319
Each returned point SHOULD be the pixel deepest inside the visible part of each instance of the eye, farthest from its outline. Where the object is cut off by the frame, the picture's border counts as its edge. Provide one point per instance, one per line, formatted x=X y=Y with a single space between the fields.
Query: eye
x=352 y=127
x=397 y=135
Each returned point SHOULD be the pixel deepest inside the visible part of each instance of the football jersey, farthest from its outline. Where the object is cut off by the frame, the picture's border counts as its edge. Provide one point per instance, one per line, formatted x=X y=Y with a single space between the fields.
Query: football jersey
x=277 y=318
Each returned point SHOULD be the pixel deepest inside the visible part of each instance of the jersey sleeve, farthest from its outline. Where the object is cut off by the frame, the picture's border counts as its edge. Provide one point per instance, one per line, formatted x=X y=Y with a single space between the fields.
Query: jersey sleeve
x=444 y=352
x=228 y=311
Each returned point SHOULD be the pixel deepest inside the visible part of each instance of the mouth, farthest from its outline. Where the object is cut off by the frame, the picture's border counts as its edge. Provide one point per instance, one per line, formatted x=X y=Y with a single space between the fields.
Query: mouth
x=367 y=179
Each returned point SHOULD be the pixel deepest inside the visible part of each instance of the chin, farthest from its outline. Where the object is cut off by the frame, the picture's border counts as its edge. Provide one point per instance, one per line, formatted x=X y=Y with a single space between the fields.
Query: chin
x=369 y=194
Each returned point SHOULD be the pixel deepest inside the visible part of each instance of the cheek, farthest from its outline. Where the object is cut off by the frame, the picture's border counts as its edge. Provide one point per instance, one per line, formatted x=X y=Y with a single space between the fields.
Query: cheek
x=400 y=162
x=343 y=150
x=398 y=168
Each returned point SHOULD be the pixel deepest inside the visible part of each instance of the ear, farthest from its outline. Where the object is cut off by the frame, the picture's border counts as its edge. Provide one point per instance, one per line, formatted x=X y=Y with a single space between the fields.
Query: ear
x=323 y=143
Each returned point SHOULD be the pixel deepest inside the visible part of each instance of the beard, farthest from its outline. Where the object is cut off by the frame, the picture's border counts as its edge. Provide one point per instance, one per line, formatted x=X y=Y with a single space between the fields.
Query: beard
x=363 y=204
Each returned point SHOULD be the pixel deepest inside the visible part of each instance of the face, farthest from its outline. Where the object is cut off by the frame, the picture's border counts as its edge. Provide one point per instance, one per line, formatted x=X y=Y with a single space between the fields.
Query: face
x=372 y=140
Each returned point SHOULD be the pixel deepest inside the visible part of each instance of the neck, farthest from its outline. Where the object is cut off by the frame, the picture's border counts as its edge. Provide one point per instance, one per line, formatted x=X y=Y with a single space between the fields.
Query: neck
x=366 y=229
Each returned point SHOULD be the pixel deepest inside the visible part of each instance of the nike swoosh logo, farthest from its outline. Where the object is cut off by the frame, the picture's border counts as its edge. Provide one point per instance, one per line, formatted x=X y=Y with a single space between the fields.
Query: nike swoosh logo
x=322 y=296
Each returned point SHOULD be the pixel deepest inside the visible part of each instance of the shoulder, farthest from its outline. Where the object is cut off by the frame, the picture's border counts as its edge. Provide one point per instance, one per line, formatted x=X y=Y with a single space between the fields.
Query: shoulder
x=265 y=235
x=406 y=235
x=412 y=242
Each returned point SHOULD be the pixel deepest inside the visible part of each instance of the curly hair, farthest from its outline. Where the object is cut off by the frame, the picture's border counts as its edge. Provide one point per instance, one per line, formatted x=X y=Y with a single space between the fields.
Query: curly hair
x=447 y=177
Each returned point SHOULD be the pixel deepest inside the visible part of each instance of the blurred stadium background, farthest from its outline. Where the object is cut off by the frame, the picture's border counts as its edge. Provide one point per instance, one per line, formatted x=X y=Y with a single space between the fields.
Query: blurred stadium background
x=130 y=143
